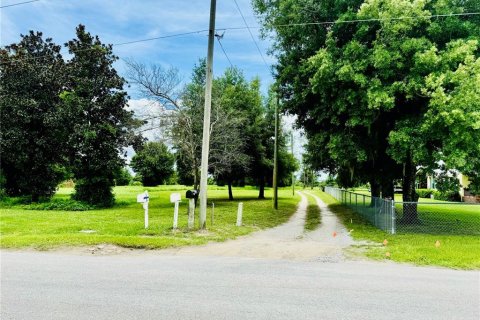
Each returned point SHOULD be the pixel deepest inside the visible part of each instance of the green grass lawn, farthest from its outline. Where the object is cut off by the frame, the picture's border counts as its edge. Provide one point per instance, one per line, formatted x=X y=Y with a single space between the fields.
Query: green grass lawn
x=123 y=225
x=455 y=251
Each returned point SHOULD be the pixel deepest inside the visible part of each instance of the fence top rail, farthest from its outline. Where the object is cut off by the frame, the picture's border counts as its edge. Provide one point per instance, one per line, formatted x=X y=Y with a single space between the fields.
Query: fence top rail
x=409 y=202
x=437 y=203
x=360 y=194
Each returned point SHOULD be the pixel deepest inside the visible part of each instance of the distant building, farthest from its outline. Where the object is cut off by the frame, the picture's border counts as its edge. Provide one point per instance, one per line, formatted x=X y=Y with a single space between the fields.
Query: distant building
x=463 y=191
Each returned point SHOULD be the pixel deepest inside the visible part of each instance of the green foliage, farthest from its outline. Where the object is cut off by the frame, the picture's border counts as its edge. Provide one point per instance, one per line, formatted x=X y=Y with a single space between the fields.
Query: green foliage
x=378 y=98
x=32 y=131
x=123 y=177
x=474 y=187
x=154 y=163
x=446 y=181
x=64 y=118
x=93 y=105
x=447 y=196
x=95 y=191
x=60 y=205
x=425 y=193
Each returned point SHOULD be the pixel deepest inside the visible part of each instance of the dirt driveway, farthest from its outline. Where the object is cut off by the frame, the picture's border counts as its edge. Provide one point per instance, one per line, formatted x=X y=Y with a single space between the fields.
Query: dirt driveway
x=288 y=241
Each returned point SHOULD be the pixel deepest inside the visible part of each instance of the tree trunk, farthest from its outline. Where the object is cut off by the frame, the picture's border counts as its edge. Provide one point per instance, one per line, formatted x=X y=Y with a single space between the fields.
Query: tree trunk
x=387 y=186
x=261 y=191
x=374 y=190
x=410 y=198
x=230 y=194
x=196 y=179
x=35 y=197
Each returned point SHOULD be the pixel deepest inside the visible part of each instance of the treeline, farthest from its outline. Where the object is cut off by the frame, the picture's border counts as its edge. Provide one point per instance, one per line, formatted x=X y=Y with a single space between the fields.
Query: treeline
x=62 y=118
x=67 y=119
x=384 y=89
x=241 y=135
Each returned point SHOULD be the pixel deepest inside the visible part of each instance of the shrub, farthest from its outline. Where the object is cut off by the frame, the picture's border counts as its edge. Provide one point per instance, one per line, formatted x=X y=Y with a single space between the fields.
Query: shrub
x=61 y=205
x=123 y=177
x=67 y=184
x=425 y=193
x=96 y=191
x=154 y=163
x=447 y=196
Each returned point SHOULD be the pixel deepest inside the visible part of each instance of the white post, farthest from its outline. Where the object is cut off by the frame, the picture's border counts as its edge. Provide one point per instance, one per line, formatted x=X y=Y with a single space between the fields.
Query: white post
x=239 y=214
x=175 y=215
x=191 y=213
x=213 y=213
x=145 y=206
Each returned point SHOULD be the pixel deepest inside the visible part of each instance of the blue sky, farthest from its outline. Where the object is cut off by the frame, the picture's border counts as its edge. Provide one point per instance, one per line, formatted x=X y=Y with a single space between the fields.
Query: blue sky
x=117 y=21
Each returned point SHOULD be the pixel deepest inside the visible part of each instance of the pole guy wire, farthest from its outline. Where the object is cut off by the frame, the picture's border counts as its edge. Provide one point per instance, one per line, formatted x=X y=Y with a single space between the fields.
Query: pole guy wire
x=251 y=35
x=223 y=49
x=17 y=4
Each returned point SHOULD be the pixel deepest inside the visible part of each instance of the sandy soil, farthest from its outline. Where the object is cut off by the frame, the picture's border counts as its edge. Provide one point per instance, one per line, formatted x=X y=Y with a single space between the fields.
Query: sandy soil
x=288 y=241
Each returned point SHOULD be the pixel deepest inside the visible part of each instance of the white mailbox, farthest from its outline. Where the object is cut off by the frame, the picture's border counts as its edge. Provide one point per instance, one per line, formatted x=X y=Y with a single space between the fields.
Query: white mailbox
x=143 y=199
x=175 y=197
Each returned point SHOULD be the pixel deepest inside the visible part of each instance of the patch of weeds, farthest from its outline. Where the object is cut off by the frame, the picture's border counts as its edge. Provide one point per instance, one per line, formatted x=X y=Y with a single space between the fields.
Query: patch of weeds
x=312 y=220
x=60 y=205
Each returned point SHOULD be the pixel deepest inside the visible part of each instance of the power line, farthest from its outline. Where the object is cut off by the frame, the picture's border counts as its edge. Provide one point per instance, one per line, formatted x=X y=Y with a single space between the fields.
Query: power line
x=17 y=4
x=361 y=20
x=251 y=35
x=258 y=27
x=121 y=43
x=223 y=49
x=160 y=37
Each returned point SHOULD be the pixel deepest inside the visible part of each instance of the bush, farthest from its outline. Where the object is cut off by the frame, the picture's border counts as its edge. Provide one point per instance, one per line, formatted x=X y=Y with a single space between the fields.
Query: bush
x=438 y=195
x=61 y=205
x=154 y=163
x=447 y=196
x=97 y=192
x=67 y=184
x=425 y=193
x=123 y=177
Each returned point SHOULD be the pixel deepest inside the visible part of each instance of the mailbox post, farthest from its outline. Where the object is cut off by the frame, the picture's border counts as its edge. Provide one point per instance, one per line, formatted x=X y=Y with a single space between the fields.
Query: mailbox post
x=143 y=199
x=191 y=195
x=175 y=198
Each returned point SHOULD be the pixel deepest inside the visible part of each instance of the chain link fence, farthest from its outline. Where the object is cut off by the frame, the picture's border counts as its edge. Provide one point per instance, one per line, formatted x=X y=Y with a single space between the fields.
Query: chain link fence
x=379 y=212
x=456 y=218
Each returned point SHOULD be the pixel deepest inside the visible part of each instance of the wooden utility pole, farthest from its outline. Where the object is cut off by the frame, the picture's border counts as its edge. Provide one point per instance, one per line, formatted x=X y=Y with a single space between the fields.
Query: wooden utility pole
x=293 y=173
x=275 y=158
x=206 y=119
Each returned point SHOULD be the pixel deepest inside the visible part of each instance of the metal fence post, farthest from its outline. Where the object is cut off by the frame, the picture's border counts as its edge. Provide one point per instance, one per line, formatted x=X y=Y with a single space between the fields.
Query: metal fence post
x=393 y=217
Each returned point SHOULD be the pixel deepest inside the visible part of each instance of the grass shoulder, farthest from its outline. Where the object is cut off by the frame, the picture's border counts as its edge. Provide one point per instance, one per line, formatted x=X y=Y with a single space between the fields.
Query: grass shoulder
x=123 y=224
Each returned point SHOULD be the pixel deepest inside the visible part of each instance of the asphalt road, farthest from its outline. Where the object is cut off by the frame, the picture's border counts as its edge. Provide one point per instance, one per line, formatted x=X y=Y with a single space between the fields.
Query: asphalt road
x=146 y=285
